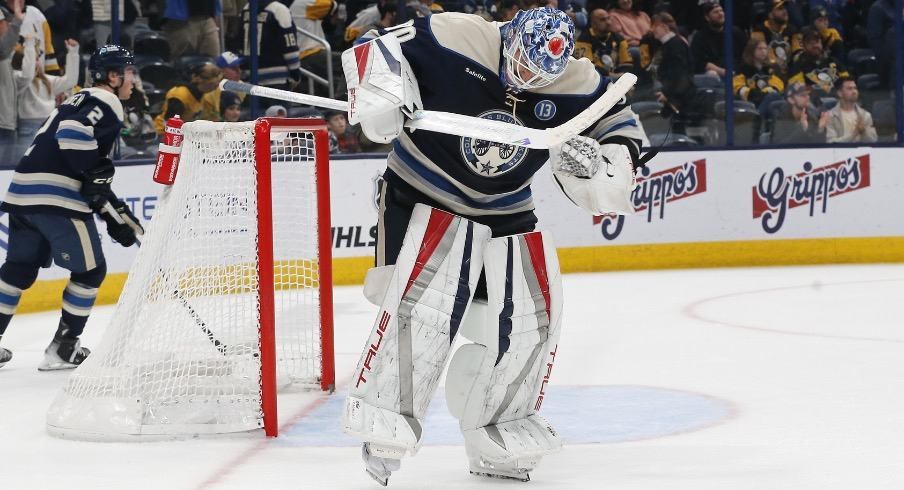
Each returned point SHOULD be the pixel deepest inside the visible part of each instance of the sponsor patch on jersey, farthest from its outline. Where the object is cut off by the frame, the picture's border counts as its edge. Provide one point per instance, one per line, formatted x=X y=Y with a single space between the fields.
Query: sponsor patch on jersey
x=490 y=159
x=545 y=110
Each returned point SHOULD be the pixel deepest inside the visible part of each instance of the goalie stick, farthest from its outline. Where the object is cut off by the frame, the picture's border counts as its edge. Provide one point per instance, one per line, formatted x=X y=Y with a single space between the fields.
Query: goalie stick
x=191 y=311
x=468 y=126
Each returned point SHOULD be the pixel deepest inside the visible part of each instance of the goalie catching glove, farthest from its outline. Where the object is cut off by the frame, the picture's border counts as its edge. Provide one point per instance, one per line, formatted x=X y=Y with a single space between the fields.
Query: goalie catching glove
x=598 y=178
x=124 y=233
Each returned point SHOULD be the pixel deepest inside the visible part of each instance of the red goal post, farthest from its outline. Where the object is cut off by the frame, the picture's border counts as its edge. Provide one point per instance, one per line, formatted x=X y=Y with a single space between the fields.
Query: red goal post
x=228 y=299
x=263 y=142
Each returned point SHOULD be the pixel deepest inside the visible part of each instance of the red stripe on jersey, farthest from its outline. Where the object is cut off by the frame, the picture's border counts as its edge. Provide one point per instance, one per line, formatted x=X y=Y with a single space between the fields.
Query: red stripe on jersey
x=534 y=241
x=361 y=52
x=437 y=226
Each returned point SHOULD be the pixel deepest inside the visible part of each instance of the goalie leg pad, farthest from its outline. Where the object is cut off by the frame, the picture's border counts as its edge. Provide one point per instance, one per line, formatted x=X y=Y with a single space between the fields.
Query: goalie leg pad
x=495 y=386
x=431 y=285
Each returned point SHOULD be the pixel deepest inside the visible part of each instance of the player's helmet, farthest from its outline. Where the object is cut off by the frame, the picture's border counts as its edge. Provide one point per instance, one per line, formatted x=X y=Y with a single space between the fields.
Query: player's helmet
x=109 y=57
x=541 y=40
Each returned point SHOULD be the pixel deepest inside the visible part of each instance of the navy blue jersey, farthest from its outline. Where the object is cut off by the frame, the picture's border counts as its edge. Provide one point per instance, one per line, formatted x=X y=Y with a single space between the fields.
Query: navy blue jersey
x=48 y=178
x=456 y=59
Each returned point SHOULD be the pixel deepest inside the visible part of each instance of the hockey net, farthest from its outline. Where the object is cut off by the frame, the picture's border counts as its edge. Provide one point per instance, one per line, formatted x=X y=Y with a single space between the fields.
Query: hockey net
x=229 y=296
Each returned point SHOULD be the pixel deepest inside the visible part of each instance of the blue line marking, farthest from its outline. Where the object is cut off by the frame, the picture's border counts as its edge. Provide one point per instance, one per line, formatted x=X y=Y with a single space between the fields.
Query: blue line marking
x=580 y=414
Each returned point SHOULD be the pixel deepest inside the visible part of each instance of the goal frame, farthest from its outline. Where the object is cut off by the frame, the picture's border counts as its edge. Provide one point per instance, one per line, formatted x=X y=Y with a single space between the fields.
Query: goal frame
x=263 y=128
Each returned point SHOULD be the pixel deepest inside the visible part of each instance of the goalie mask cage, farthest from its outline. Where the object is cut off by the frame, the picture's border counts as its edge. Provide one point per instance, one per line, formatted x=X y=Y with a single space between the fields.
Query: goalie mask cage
x=228 y=297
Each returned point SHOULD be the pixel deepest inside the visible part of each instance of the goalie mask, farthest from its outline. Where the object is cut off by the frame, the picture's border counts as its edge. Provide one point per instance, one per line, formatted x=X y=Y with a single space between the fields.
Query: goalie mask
x=536 y=46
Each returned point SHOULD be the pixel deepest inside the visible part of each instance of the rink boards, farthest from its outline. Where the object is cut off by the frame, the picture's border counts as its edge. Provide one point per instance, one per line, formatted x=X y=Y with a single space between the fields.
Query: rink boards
x=693 y=209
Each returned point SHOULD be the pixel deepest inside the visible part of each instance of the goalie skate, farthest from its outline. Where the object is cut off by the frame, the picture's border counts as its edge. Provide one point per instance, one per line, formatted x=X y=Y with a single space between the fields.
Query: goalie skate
x=514 y=470
x=379 y=468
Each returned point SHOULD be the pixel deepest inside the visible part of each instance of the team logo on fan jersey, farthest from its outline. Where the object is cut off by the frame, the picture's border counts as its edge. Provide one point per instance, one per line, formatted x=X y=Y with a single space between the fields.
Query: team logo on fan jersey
x=491 y=159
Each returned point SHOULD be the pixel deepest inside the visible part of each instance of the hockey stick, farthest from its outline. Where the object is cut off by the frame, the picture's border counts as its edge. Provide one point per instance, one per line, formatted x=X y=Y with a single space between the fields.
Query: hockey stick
x=468 y=126
x=191 y=311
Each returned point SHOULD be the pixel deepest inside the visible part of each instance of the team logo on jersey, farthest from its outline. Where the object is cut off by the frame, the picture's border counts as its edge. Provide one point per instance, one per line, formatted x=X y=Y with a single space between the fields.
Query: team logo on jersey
x=491 y=159
x=545 y=110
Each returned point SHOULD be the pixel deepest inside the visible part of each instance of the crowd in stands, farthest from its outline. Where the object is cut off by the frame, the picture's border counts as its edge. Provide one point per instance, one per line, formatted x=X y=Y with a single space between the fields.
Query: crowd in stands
x=814 y=71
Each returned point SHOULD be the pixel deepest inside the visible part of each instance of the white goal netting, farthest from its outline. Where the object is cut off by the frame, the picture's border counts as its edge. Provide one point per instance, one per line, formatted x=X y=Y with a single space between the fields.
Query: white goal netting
x=182 y=353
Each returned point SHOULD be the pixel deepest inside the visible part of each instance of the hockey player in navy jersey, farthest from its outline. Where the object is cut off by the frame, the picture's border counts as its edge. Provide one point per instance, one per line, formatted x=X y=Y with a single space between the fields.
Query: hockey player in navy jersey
x=61 y=181
x=456 y=247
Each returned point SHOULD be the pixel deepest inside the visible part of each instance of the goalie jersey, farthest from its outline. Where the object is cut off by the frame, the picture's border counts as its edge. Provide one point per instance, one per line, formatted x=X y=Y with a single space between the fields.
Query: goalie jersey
x=456 y=59
x=48 y=179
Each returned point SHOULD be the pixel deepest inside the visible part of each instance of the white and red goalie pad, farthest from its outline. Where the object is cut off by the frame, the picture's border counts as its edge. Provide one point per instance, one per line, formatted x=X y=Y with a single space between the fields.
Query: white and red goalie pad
x=427 y=297
x=506 y=370
x=495 y=385
x=379 y=79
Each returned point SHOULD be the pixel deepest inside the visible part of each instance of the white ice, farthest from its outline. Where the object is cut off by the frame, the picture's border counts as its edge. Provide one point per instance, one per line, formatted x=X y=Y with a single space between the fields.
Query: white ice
x=759 y=378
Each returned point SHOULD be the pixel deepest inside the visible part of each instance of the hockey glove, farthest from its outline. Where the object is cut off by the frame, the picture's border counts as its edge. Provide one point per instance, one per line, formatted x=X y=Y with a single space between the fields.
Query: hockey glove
x=96 y=185
x=598 y=178
x=124 y=233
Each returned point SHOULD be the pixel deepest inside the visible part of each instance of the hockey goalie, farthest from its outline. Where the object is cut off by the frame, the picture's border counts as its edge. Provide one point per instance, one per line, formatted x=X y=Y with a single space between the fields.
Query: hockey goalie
x=457 y=252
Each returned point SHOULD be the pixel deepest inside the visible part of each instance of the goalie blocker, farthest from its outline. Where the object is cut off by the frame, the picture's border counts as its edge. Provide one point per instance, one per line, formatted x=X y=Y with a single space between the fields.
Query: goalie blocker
x=495 y=385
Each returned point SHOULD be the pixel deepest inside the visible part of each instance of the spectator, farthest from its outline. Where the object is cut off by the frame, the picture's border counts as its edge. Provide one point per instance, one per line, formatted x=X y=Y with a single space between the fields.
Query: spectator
x=277 y=46
x=229 y=64
x=102 y=15
x=231 y=11
x=387 y=10
x=627 y=19
x=230 y=107
x=643 y=65
x=812 y=67
x=481 y=8
x=848 y=122
x=422 y=8
x=757 y=80
x=276 y=111
x=190 y=27
x=798 y=122
x=363 y=21
x=342 y=138
x=505 y=10
x=575 y=10
x=37 y=96
x=64 y=18
x=185 y=100
x=308 y=16
x=854 y=14
x=708 y=43
x=782 y=38
x=880 y=26
x=832 y=42
x=672 y=67
x=606 y=49
x=36 y=24
x=10 y=23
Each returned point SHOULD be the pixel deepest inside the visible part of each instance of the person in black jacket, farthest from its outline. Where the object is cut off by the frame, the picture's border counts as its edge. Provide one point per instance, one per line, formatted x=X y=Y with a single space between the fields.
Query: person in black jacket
x=708 y=43
x=671 y=66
